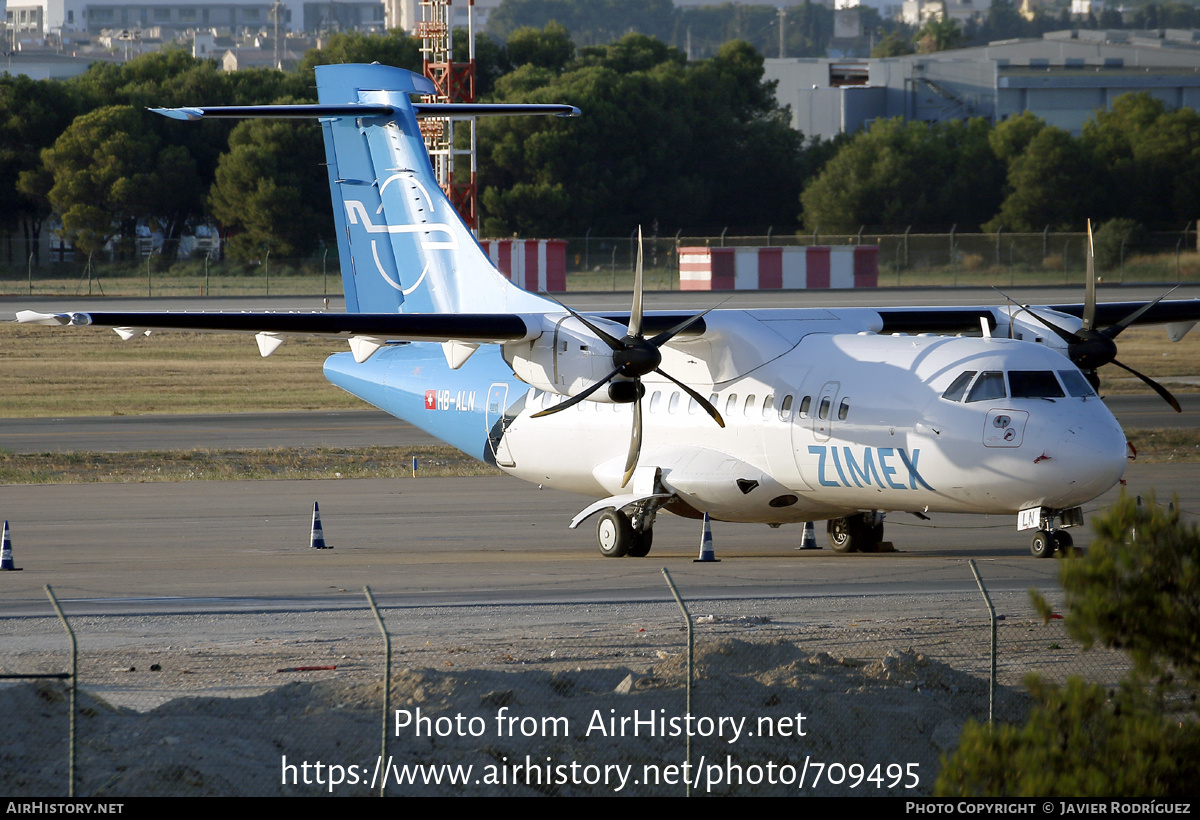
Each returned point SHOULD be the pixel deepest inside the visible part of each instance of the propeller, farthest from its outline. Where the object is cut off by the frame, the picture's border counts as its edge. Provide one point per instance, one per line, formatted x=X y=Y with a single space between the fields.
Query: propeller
x=633 y=357
x=1091 y=349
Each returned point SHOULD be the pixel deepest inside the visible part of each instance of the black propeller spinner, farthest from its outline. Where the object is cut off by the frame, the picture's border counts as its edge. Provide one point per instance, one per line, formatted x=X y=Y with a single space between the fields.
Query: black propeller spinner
x=1091 y=349
x=634 y=356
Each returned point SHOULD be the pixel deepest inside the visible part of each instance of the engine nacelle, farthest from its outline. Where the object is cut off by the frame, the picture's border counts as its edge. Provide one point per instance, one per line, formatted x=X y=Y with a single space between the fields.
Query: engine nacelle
x=565 y=359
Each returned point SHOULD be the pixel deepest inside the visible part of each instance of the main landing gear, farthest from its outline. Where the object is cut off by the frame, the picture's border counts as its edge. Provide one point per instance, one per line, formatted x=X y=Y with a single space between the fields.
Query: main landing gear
x=619 y=534
x=856 y=533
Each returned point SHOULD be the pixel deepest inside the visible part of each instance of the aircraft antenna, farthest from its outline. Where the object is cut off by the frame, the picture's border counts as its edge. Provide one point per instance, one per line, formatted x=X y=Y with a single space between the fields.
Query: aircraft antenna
x=454 y=165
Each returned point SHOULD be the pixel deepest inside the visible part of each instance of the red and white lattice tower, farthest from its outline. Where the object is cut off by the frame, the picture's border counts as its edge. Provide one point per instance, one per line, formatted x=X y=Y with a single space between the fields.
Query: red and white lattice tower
x=453 y=160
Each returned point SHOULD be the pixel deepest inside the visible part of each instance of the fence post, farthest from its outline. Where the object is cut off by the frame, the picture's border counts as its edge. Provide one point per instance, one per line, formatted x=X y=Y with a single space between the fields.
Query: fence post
x=387 y=688
x=991 y=617
x=687 y=617
x=74 y=685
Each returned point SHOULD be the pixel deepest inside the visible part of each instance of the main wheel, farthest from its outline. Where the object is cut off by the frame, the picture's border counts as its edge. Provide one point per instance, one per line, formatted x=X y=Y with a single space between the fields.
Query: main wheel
x=1042 y=544
x=615 y=534
x=640 y=547
x=1064 y=543
x=871 y=536
x=845 y=534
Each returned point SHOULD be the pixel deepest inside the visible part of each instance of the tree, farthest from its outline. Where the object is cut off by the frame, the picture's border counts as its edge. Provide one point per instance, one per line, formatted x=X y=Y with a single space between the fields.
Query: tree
x=103 y=169
x=659 y=139
x=929 y=175
x=396 y=48
x=1137 y=589
x=550 y=47
x=271 y=190
x=1052 y=182
x=939 y=35
x=32 y=115
x=1150 y=156
x=892 y=45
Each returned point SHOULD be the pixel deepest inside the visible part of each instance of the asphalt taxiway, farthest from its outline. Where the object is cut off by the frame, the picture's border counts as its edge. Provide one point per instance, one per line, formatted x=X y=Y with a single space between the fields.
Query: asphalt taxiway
x=244 y=546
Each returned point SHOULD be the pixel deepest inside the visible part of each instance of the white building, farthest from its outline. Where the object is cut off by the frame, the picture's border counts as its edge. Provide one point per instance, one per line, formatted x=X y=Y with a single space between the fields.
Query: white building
x=47 y=17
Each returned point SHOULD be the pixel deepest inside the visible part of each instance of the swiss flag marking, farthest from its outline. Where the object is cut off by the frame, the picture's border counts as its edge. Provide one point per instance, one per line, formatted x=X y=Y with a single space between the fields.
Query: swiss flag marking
x=430 y=399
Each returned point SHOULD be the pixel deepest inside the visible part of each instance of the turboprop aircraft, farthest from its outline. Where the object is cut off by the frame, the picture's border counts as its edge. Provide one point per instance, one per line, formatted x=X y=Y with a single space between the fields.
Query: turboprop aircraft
x=755 y=416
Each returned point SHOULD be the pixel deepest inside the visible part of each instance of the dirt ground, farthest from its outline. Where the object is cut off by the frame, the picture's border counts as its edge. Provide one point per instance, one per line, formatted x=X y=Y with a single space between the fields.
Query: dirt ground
x=511 y=705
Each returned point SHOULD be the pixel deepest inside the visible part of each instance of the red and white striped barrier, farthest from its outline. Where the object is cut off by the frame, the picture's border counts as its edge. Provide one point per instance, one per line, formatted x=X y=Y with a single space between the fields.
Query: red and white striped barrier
x=790 y=268
x=532 y=264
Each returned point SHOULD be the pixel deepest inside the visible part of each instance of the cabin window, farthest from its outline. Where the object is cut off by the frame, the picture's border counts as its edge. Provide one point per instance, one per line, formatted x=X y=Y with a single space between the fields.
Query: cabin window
x=990 y=385
x=768 y=406
x=730 y=404
x=804 y=405
x=749 y=408
x=1076 y=383
x=823 y=412
x=843 y=409
x=673 y=404
x=693 y=406
x=785 y=409
x=1034 y=384
x=655 y=401
x=959 y=386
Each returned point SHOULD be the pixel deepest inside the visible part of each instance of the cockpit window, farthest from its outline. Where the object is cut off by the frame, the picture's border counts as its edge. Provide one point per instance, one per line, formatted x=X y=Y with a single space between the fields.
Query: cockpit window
x=1034 y=384
x=990 y=385
x=959 y=386
x=1076 y=383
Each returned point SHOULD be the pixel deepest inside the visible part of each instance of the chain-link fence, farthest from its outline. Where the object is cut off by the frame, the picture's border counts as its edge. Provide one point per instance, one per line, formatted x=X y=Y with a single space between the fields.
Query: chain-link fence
x=798 y=696
x=908 y=259
x=607 y=264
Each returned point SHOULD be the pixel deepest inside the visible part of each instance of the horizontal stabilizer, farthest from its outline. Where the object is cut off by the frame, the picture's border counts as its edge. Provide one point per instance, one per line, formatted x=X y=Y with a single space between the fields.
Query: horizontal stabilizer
x=293 y=112
x=438 y=327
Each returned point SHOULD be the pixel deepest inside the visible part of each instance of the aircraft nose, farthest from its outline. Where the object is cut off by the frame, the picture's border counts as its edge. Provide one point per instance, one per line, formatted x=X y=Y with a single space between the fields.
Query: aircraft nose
x=1095 y=456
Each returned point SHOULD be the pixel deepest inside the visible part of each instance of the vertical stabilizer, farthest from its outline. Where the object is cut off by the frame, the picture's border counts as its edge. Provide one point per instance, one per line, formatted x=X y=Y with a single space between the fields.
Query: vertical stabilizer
x=403 y=247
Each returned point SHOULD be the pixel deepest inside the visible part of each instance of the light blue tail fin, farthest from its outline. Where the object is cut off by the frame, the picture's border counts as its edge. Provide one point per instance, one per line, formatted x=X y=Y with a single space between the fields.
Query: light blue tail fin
x=403 y=246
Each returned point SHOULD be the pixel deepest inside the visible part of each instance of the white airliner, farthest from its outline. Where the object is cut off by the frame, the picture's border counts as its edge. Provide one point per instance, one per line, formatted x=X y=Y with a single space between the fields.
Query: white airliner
x=756 y=416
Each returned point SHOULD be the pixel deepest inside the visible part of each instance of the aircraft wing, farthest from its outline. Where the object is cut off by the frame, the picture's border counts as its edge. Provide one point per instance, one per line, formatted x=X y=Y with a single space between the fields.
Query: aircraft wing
x=480 y=328
x=414 y=327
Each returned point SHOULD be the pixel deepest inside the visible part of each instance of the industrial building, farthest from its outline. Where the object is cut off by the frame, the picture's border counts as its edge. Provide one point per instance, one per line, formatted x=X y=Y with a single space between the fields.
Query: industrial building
x=1062 y=78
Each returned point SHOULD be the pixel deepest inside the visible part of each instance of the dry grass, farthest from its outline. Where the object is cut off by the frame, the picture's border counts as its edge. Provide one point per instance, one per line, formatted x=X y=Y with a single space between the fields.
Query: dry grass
x=1148 y=350
x=225 y=465
x=1166 y=446
x=91 y=372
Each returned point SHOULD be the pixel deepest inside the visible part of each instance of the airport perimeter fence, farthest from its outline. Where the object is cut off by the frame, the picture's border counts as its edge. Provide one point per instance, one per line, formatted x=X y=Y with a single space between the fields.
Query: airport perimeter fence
x=607 y=263
x=798 y=696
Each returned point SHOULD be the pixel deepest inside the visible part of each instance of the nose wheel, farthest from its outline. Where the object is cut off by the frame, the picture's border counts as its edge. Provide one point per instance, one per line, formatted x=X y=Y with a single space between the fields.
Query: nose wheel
x=1044 y=544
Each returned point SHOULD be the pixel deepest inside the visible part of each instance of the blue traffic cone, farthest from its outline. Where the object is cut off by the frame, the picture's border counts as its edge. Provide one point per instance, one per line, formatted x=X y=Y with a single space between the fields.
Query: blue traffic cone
x=809 y=540
x=6 y=556
x=317 y=541
x=707 y=556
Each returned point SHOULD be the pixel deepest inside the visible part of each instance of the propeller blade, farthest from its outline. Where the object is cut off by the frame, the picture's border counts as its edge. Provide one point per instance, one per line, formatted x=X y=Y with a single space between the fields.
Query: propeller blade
x=700 y=400
x=1112 y=331
x=610 y=340
x=635 y=443
x=1089 y=299
x=635 y=315
x=578 y=397
x=667 y=335
x=1158 y=388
